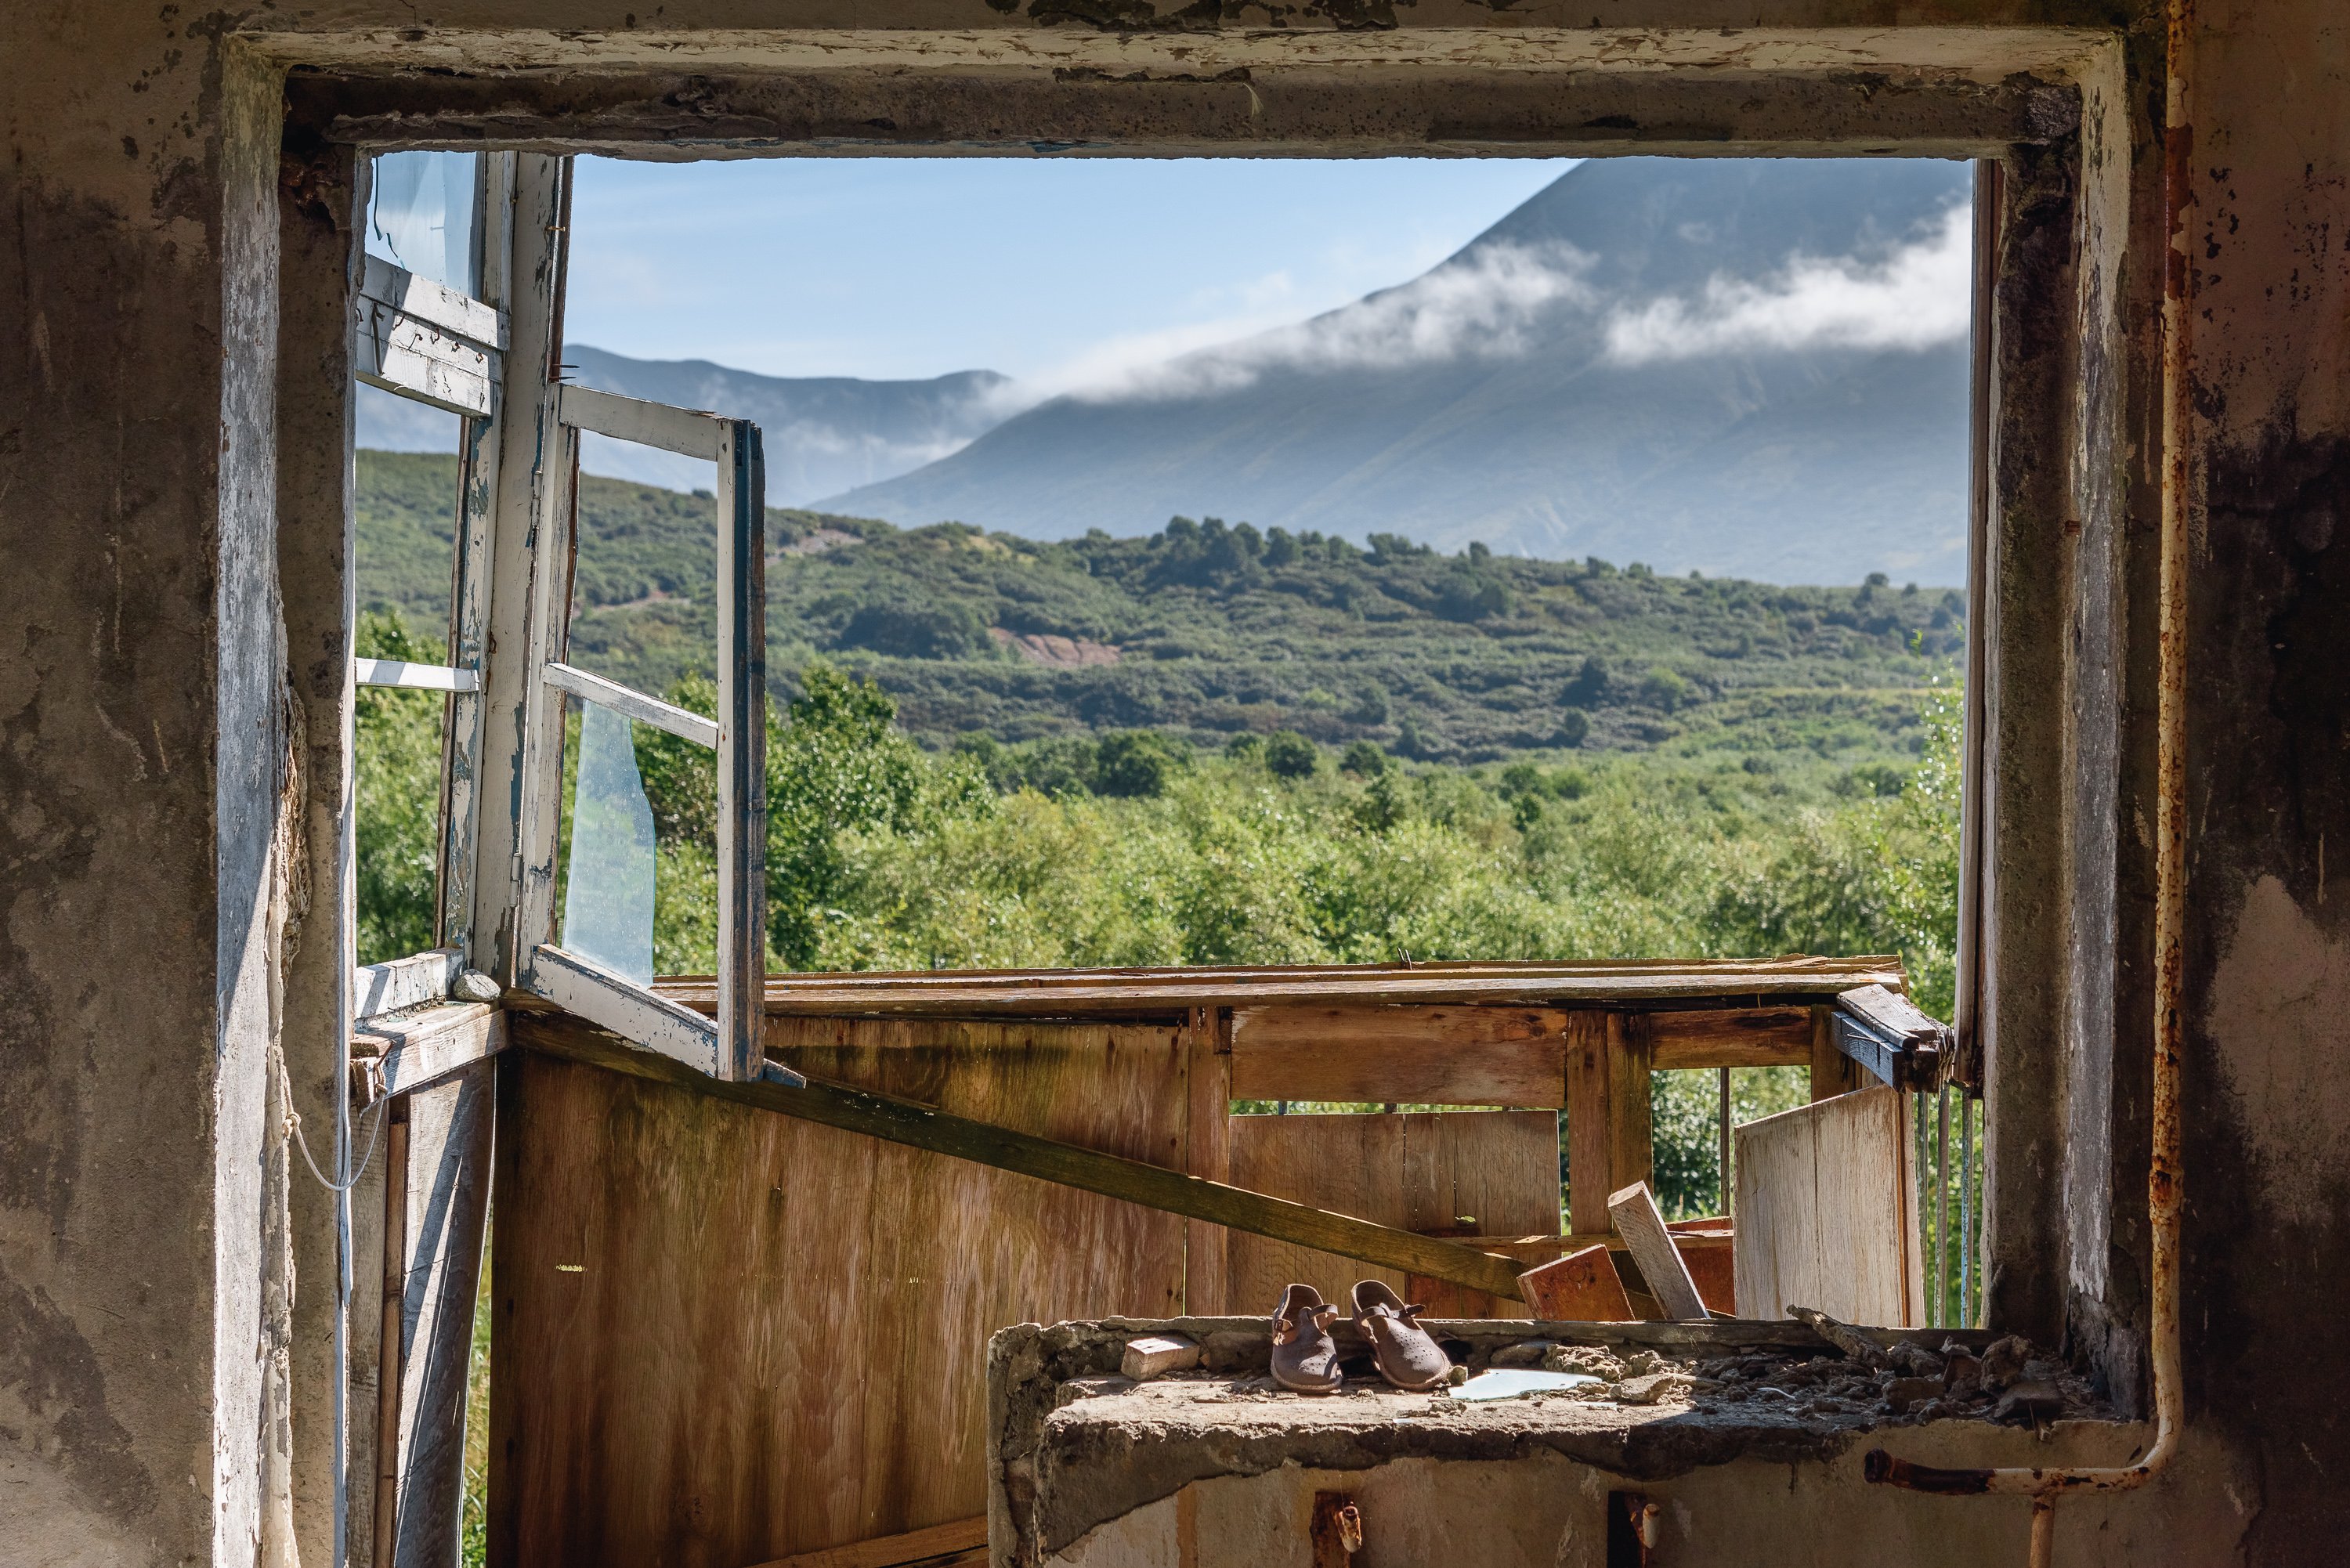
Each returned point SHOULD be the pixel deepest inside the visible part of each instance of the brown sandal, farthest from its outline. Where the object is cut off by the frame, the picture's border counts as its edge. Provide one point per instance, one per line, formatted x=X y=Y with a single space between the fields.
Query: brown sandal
x=1405 y=1354
x=1305 y=1356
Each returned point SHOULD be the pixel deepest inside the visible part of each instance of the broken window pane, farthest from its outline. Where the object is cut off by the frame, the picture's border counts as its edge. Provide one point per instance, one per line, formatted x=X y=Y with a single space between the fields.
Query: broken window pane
x=638 y=862
x=421 y=215
x=608 y=897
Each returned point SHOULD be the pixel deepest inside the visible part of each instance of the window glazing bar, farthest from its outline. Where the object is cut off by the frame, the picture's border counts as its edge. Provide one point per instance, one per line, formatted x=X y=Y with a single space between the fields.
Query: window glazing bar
x=684 y=724
x=415 y=677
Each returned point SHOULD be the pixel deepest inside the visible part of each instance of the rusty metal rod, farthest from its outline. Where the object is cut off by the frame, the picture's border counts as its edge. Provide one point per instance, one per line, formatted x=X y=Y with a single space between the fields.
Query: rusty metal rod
x=1966 y=1209
x=1942 y=1208
x=2165 y=1172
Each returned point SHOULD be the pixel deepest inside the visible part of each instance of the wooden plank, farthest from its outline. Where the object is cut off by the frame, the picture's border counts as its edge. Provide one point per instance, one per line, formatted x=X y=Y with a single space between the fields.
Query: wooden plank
x=1897 y=1017
x=403 y=983
x=1171 y=1191
x=392 y=1281
x=402 y=1054
x=1456 y=1055
x=1866 y=1203
x=1582 y=1287
x=1730 y=1037
x=1608 y=1112
x=1634 y=1210
x=1827 y=1212
x=1062 y=993
x=1833 y=1072
x=446 y=1206
x=938 y=1545
x=805 y=1310
x=1208 y=1153
x=1890 y=1037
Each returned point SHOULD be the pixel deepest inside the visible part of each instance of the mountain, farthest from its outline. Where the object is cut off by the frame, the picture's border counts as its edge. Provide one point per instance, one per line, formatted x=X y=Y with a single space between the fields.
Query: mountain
x=823 y=433
x=1750 y=368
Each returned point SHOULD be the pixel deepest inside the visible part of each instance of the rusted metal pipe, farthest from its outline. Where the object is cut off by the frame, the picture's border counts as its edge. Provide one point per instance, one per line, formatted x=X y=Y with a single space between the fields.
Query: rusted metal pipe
x=2165 y=1175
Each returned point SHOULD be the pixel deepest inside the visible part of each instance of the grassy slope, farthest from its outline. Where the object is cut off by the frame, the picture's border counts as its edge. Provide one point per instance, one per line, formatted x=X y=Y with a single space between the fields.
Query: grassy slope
x=1221 y=632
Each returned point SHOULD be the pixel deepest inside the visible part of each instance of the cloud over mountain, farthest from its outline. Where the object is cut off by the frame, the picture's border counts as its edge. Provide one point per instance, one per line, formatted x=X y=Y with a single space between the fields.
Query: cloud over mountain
x=1747 y=367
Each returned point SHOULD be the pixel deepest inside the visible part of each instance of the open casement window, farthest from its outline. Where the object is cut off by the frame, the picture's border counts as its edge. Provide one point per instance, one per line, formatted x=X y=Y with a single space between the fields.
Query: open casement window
x=429 y=326
x=589 y=873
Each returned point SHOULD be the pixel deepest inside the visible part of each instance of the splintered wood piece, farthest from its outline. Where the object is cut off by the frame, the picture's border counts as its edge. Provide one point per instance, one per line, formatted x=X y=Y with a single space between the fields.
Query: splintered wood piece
x=1897 y=1017
x=1639 y=1222
x=1582 y=1287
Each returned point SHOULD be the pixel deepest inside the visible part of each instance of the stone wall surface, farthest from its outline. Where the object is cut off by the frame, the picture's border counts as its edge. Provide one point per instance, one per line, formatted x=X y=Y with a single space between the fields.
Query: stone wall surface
x=148 y=897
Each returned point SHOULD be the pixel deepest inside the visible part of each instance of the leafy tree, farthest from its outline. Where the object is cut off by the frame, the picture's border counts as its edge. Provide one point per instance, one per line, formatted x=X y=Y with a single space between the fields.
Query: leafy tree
x=838 y=764
x=1290 y=755
x=1589 y=687
x=1364 y=760
x=949 y=631
x=1665 y=688
x=1133 y=764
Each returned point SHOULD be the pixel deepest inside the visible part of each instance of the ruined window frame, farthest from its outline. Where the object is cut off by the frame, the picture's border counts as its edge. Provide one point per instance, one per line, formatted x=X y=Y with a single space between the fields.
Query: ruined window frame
x=2049 y=102
x=429 y=344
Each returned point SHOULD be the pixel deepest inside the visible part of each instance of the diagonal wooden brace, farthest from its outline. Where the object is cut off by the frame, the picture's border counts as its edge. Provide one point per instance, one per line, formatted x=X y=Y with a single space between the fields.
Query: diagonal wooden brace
x=1112 y=1175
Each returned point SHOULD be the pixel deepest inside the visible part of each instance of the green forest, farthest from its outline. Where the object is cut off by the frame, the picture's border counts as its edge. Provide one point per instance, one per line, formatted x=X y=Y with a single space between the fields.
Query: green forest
x=1306 y=751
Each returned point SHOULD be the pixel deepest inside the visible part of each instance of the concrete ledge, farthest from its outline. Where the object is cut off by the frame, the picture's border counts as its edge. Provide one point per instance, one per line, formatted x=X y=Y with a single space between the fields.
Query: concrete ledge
x=1075 y=1450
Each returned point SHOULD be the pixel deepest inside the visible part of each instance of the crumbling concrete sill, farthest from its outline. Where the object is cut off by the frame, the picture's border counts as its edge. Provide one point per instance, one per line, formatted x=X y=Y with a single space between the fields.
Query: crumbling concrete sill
x=1074 y=1445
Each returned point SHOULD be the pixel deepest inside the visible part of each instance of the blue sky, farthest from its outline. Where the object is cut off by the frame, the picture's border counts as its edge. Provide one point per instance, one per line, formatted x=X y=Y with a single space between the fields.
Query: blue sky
x=1047 y=270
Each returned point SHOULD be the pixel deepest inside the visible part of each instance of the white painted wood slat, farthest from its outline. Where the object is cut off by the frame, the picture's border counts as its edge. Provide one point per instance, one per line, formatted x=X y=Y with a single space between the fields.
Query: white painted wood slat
x=415 y=677
x=679 y=722
x=685 y=431
x=579 y=986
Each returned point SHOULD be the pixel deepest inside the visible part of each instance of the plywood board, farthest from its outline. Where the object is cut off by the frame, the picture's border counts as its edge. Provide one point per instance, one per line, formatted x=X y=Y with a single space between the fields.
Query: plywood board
x=1582 y=1287
x=1827 y=1212
x=1423 y=1171
x=727 y=1336
x=1464 y=1055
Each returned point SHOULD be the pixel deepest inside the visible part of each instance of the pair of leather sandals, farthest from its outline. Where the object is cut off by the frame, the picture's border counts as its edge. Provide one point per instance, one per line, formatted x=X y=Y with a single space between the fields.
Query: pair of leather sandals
x=1305 y=1358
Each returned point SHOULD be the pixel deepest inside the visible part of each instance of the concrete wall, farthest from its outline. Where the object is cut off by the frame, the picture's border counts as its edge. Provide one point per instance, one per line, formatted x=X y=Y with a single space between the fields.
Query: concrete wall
x=1548 y=1511
x=156 y=1388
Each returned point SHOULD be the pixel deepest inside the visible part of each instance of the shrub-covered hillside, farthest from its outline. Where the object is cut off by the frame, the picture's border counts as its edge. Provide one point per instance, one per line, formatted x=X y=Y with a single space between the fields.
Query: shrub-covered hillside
x=1205 y=631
